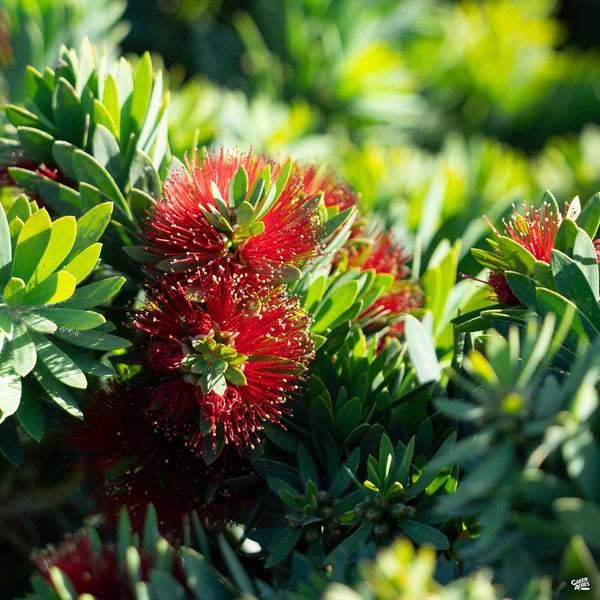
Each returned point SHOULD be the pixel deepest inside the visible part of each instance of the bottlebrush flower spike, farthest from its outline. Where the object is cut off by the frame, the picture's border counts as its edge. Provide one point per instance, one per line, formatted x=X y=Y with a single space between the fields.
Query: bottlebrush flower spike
x=133 y=462
x=232 y=357
x=335 y=193
x=237 y=211
x=536 y=231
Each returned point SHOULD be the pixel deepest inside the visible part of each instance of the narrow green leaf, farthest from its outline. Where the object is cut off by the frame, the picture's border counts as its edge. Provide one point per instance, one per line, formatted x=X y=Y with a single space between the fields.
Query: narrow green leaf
x=31 y=416
x=238 y=188
x=572 y=283
x=332 y=307
x=58 y=392
x=59 y=364
x=90 y=227
x=584 y=254
x=103 y=117
x=10 y=384
x=14 y=291
x=31 y=245
x=95 y=294
x=89 y=170
x=94 y=340
x=56 y=288
x=5 y=248
x=84 y=263
x=423 y=534
x=285 y=544
x=36 y=143
x=35 y=322
x=72 y=318
x=106 y=151
x=142 y=87
x=589 y=218
x=23 y=350
x=516 y=256
x=61 y=241
x=421 y=349
x=68 y=113
x=19 y=208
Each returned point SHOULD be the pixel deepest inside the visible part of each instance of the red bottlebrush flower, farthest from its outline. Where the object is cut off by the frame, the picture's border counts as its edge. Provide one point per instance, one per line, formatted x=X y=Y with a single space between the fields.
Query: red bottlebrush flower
x=384 y=255
x=133 y=462
x=232 y=357
x=231 y=210
x=335 y=193
x=91 y=570
x=536 y=231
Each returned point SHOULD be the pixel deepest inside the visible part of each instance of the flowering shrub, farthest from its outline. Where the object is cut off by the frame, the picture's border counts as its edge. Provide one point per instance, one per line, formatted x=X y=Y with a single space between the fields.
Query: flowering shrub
x=269 y=393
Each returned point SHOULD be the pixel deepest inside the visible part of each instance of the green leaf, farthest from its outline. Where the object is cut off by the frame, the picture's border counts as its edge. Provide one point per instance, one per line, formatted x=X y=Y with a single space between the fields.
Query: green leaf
x=423 y=534
x=516 y=256
x=200 y=576
x=59 y=363
x=103 y=117
x=283 y=177
x=107 y=153
x=60 y=197
x=5 y=324
x=245 y=213
x=58 y=392
x=64 y=155
x=581 y=326
x=84 y=263
x=432 y=469
x=56 y=288
x=238 y=188
x=143 y=174
x=95 y=294
x=421 y=349
x=523 y=287
x=71 y=318
x=89 y=170
x=68 y=113
x=5 y=248
x=331 y=225
x=93 y=339
x=351 y=544
x=235 y=376
x=10 y=384
x=14 y=291
x=19 y=116
x=285 y=544
x=61 y=241
x=19 y=208
x=142 y=87
x=90 y=227
x=23 y=350
x=37 y=144
x=572 y=283
x=333 y=306
x=584 y=254
x=31 y=416
x=589 y=218
x=31 y=245
x=349 y=417
x=565 y=236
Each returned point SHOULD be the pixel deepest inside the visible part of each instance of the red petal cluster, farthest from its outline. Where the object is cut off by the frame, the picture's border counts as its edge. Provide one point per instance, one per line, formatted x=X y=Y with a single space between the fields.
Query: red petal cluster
x=335 y=193
x=179 y=230
x=269 y=329
x=133 y=462
x=91 y=571
x=536 y=231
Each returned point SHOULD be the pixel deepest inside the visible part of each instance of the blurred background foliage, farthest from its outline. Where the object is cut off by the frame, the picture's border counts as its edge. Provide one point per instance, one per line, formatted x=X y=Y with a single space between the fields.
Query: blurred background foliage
x=460 y=107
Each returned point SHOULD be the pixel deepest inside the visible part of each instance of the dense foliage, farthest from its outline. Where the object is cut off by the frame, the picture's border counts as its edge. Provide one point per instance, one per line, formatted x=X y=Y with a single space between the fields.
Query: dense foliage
x=285 y=311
